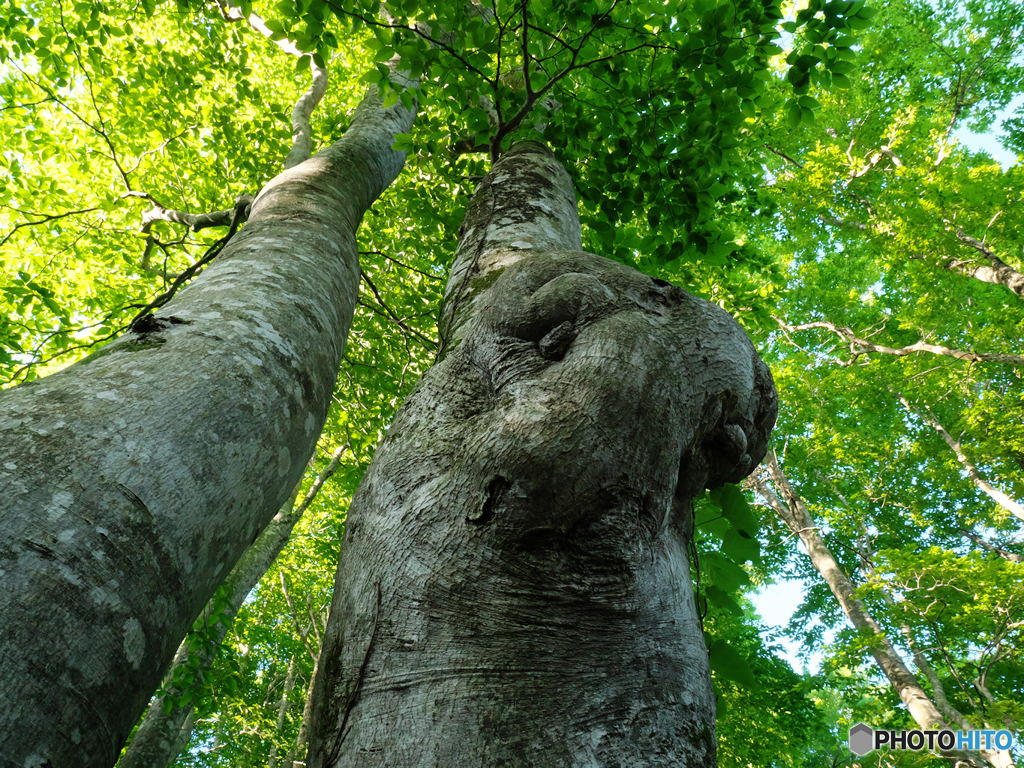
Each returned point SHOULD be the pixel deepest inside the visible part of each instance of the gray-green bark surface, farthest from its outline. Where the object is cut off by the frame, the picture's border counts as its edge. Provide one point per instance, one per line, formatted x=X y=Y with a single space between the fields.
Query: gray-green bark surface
x=514 y=583
x=163 y=732
x=131 y=482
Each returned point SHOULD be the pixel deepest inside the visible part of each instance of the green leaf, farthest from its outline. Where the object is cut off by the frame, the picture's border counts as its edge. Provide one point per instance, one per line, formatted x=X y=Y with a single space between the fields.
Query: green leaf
x=722 y=599
x=793 y=114
x=729 y=664
x=733 y=503
x=808 y=102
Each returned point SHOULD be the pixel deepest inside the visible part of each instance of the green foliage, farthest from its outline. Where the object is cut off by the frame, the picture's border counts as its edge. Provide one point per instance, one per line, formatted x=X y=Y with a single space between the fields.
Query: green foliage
x=704 y=153
x=874 y=202
x=768 y=715
x=203 y=642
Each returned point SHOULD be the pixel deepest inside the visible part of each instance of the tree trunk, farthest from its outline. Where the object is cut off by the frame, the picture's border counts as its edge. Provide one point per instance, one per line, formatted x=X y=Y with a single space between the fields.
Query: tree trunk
x=302 y=740
x=131 y=482
x=926 y=714
x=282 y=711
x=514 y=582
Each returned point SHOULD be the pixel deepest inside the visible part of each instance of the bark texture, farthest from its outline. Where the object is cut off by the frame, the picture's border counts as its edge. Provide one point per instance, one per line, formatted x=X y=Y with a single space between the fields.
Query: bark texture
x=514 y=583
x=162 y=735
x=131 y=482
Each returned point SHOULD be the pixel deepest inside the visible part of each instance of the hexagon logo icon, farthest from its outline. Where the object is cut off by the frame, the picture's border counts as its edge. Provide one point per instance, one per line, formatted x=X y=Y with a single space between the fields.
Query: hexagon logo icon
x=862 y=739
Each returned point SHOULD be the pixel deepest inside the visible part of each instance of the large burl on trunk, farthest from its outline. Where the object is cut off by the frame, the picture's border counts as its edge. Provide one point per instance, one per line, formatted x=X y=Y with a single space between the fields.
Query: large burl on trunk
x=514 y=586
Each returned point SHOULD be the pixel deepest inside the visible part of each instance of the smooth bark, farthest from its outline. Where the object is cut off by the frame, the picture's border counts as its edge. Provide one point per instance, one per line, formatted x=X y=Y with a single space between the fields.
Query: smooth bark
x=302 y=740
x=162 y=734
x=282 y=710
x=514 y=582
x=131 y=482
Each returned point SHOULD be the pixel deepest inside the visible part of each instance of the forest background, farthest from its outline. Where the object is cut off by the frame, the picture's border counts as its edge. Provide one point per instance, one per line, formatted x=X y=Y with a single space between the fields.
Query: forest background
x=874 y=260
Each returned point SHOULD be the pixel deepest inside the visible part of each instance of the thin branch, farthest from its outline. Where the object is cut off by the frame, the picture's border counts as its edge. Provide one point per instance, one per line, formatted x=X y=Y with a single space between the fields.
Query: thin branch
x=160 y=146
x=859 y=346
x=241 y=213
x=27 y=105
x=322 y=478
x=46 y=218
x=526 y=54
x=92 y=98
x=422 y=30
x=784 y=156
x=194 y=221
x=304 y=636
x=315 y=624
x=403 y=264
x=392 y=316
x=1013 y=557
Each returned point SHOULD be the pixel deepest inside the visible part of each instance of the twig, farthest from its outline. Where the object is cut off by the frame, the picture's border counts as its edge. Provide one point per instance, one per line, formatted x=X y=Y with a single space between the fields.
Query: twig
x=392 y=316
x=240 y=214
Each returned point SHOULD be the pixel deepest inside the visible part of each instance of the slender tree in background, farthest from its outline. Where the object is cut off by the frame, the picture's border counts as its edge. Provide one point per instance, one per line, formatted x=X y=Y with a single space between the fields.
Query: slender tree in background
x=897 y=358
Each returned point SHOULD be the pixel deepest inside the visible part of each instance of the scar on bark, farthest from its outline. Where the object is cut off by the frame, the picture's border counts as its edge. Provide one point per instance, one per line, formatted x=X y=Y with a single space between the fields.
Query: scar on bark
x=152 y=324
x=495 y=493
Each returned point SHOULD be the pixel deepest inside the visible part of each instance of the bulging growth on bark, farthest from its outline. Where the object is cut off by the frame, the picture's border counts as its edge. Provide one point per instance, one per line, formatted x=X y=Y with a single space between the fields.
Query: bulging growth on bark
x=514 y=583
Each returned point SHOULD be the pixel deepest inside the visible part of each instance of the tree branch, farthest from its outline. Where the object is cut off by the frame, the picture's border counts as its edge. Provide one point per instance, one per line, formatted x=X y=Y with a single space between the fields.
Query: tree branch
x=979 y=481
x=295 y=618
x=239 y=215
x=46 y=218
x=998 y=271
x=392 y=316
x=1013 y=557
x=859 y=346
x=784 y=156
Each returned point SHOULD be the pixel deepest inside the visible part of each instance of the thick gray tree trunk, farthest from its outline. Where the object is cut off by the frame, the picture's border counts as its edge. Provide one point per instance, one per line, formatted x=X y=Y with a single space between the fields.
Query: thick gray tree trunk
x=132 y=482
x=514 y=584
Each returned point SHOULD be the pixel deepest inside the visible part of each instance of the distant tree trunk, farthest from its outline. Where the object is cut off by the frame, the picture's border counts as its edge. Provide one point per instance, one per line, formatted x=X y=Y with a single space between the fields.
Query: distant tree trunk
x=793 y=512
x=302 y=740
x=282 y=710
x=131 y=482
x=514 y=583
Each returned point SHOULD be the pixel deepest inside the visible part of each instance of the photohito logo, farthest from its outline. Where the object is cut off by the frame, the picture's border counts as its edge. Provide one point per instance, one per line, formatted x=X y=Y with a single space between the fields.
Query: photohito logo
x=863 y=739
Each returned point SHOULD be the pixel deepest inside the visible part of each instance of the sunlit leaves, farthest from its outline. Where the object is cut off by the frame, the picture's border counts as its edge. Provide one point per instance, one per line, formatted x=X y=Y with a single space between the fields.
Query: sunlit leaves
x=872 y=197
